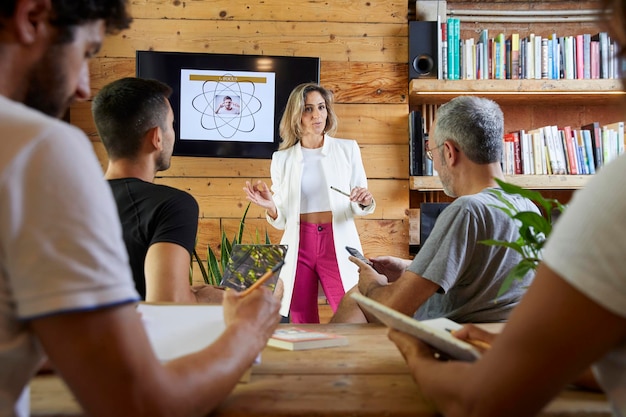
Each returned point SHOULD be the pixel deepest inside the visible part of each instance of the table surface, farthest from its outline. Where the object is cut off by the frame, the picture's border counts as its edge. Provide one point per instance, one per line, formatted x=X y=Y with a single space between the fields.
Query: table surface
x=368 y=377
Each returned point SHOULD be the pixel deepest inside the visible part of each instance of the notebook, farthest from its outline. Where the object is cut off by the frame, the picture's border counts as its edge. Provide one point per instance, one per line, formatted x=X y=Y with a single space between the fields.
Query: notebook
x=434 y=332
x=248 y=262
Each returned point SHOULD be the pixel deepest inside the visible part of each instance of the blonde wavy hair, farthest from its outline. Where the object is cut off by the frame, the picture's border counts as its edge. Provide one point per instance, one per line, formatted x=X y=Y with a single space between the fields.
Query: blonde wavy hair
x=290 y=128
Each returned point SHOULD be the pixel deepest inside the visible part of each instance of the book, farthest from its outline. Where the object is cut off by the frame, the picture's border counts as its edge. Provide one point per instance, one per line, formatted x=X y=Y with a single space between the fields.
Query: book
x=483 y=40
x=508 y=155
x=580 y=56
x=528 y=167
x=556 y=57
x=440 y=38
x=443 y=29
x=553 y=166
x=582 y=152
x=570 y=147
x=594 y=59
x=455 y=74
x=514 y=159
x=596 y=138
x=544 y=58
x=249 y=262
x=436 y=333
x=561 y=157
x=538 y=56
x=618 y=127
x=603 y=42
x=591 y=165
x=539 y=153
x=299 y=338
x=452 y=48
x=515 y=56
x=586 y=56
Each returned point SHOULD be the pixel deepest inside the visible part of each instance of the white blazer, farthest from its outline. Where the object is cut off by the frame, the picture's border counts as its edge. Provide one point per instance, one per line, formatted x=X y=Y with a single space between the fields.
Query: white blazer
x=342 y=168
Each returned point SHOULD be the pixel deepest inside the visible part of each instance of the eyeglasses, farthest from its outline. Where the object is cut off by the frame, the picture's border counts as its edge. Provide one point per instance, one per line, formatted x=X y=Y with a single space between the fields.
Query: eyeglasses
x=429 y=152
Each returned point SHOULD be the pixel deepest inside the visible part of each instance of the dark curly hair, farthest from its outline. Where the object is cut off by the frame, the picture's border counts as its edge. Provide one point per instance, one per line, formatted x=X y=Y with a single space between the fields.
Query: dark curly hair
x=68 y=14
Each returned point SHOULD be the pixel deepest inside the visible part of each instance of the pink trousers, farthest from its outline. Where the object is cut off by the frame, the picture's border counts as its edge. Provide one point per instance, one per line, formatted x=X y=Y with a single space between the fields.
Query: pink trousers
x=317 y=261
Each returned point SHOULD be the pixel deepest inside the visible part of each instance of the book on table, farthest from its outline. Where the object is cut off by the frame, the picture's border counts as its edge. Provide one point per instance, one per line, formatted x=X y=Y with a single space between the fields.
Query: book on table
x=249 y=262
x=435 y=332
x=299 y=338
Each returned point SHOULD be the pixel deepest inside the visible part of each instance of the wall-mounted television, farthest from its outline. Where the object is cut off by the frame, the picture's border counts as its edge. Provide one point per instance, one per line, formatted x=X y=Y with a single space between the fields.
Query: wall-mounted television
x=227 y=105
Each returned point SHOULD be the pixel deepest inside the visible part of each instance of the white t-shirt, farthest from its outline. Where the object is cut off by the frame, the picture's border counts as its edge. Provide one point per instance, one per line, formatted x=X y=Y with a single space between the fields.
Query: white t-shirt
x=61 y=246
x=588 y=249
x=313 y=189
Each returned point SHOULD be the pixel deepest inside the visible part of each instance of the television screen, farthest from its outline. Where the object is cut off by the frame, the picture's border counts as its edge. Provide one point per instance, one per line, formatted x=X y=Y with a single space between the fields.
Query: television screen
x=227 y=105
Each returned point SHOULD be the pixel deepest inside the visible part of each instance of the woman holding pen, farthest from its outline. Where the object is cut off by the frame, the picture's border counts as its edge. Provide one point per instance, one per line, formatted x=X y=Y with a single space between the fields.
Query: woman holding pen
x=318 y=186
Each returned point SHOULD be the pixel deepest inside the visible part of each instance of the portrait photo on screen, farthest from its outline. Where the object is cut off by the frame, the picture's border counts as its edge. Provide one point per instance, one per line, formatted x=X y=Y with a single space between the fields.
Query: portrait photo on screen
x=227 y=105
x=234 y=105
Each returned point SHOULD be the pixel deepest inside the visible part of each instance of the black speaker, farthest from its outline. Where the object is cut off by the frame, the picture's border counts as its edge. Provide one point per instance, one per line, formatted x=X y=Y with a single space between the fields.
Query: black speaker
x=423 y=55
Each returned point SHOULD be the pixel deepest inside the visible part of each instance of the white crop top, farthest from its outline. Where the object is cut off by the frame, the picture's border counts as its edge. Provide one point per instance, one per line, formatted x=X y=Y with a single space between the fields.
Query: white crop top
x=313 y=189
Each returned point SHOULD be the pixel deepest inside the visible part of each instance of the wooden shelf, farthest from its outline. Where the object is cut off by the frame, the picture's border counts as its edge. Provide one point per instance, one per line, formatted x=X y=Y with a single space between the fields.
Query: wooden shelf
x=534 y=182
x=558 y=92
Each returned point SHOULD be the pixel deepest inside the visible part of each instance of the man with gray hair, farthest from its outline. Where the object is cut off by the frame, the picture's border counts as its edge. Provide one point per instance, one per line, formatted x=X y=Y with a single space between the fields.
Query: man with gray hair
x=454 y=275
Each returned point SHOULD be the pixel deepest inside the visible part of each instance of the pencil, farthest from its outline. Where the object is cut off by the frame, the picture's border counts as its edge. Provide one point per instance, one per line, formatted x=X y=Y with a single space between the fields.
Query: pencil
x=267 y=275
x=479 y=344
x=339 y=191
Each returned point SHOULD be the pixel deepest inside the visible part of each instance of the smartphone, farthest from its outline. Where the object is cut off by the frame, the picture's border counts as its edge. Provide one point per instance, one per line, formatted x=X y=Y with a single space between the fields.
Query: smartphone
x=358 y=255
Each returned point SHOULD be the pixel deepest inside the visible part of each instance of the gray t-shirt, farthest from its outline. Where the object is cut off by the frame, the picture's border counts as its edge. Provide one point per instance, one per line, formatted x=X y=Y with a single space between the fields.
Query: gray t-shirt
x=470 y=273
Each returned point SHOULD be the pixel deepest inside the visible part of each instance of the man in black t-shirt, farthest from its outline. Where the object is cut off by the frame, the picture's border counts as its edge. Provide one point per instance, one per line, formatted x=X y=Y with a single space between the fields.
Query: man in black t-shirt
x=134 y=119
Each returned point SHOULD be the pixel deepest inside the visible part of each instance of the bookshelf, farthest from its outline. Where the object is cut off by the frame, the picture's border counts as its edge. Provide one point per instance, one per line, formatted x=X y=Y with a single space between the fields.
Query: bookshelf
x=598 y=94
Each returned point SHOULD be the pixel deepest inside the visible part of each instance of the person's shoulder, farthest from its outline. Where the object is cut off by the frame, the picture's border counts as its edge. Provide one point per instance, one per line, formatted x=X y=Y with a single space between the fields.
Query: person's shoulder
x=172 y=192
x=29 y=123
x=487 y=200
x=347 y=146
x=341 y=141
x=28 y=130
x=474 y=202
x=284 y=153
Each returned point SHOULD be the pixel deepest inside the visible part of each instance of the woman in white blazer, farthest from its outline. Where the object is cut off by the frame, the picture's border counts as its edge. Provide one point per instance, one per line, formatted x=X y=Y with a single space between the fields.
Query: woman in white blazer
x=318 y=221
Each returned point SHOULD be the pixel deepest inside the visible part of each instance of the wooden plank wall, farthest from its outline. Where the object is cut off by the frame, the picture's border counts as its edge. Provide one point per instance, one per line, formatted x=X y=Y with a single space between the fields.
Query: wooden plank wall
x=363 y=47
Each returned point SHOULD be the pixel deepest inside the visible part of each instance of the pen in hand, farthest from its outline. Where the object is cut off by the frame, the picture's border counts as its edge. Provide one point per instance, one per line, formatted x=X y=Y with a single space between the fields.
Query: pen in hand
x=267 y=275
x=339 y=191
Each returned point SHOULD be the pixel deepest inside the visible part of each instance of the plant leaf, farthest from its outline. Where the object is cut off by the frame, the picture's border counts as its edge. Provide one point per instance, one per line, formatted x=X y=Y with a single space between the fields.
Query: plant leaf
x=511 y=245
x=215 y=274
x=242 y=224
x=534 y=220
x=518 y=273
x=205 y=276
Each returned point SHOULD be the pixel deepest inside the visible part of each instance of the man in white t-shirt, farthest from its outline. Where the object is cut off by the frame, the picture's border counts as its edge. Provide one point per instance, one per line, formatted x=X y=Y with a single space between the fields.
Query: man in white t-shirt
x=65 y=284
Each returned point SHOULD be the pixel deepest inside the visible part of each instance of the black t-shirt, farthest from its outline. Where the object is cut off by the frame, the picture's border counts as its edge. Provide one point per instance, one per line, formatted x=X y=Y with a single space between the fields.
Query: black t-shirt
x=152 y=213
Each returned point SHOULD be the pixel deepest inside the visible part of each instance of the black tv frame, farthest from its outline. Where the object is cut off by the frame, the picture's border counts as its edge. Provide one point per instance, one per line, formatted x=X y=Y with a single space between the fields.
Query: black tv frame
x=288 y=72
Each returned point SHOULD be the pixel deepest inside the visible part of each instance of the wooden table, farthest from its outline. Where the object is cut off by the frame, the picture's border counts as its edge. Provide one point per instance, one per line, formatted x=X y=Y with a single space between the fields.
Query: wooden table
x=368 y=377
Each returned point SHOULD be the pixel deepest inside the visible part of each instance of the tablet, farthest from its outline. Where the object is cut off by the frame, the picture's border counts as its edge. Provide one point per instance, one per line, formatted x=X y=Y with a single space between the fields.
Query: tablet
x=249 y=262
x=435 y=332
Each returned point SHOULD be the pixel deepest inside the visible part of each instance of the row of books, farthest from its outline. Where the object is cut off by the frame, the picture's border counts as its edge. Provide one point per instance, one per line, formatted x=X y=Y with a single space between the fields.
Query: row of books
x=551 y=150
x=548 y=150
x=583 y=56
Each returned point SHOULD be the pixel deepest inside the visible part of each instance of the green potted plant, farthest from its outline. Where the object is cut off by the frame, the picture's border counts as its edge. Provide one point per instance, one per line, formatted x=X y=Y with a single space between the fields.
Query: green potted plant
x=534 y=229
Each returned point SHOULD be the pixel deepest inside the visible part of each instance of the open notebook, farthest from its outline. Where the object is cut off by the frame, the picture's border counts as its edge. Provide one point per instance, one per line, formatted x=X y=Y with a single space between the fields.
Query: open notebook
x=249 y=262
